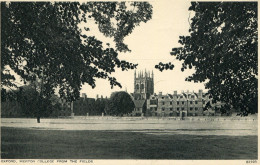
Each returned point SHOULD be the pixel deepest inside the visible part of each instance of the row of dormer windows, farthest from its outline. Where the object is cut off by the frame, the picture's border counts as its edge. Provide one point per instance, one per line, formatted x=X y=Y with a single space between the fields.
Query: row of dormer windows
x=178 y=97
x=178 y=108
x=182 y=102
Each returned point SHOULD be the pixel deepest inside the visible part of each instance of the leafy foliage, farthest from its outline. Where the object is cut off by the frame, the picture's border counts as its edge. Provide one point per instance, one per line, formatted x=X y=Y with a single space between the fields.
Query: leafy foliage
x=99 y=106
x=43 y=41
x=120 y=103
x=222 y=47
x=31 y=103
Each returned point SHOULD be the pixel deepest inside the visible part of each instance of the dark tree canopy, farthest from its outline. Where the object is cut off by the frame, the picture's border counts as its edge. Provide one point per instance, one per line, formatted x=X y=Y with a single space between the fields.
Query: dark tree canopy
x=42 y=40
x=120 y=103
x=99 y=106
x=222 y=48
x=27 y=98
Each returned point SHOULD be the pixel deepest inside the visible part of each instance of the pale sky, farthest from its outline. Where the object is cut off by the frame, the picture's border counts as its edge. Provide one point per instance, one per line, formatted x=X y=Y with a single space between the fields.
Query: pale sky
x=151 y=43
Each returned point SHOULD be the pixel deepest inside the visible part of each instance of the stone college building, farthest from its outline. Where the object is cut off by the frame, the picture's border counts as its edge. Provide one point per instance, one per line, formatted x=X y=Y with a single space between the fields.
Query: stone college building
x=181 y=104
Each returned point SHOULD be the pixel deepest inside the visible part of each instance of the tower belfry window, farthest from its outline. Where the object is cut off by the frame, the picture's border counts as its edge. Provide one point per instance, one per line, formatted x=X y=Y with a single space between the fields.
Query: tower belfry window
x=144 y=83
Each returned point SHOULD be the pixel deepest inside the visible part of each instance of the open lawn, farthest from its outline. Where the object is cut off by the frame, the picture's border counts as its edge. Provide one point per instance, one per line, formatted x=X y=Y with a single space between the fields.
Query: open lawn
x=27 y=143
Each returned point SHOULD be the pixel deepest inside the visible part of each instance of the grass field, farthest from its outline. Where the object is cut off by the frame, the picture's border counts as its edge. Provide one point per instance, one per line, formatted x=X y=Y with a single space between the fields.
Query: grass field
x=24 y=143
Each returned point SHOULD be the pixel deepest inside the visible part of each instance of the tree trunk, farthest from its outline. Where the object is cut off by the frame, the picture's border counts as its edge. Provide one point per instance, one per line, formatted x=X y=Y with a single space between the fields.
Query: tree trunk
x=38 y=119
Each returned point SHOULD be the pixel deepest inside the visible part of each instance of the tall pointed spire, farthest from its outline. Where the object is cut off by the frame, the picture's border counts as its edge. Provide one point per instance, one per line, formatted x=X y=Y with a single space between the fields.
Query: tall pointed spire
x=135 y=73
x=152 y=74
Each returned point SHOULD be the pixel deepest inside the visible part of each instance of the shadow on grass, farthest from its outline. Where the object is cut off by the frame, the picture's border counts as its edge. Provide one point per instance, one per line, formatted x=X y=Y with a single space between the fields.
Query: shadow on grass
x=20 y=143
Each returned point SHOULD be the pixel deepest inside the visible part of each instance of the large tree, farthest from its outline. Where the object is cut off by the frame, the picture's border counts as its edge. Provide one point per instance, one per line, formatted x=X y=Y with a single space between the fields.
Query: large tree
x=34 y=105
x=222 y=48
x=27 y=97
x=120 y=103
x=42 y=41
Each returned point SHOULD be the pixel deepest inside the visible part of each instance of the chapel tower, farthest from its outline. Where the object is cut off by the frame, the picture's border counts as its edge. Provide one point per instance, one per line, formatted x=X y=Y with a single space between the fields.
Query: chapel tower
x=143 y=85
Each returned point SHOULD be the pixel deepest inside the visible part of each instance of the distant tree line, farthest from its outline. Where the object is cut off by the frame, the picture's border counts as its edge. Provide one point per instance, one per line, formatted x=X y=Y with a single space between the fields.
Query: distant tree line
x=28 y=100
x=119 y=104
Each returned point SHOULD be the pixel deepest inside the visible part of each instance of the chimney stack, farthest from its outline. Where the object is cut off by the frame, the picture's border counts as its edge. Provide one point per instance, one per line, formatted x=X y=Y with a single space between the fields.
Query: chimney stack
x=175 y=93
x=84 y=95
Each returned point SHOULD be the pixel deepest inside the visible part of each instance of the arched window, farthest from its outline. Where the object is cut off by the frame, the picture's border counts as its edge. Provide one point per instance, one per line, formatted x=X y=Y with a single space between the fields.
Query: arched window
x=142 y=86
x=137 y=86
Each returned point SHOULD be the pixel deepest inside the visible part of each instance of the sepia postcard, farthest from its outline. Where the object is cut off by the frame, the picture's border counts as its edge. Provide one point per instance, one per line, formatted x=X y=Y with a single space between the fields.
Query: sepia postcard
x=129 y=82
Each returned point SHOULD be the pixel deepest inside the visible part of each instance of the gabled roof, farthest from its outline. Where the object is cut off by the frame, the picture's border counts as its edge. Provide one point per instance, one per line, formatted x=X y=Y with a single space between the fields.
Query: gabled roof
x=187 y=94
x=170 y=95
x=184 y=94
x=205 y=94
x=139 y=103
